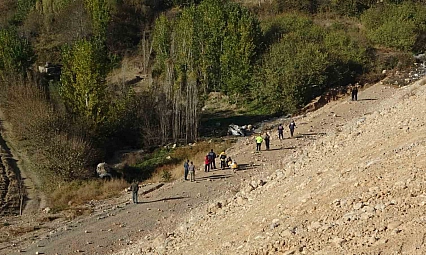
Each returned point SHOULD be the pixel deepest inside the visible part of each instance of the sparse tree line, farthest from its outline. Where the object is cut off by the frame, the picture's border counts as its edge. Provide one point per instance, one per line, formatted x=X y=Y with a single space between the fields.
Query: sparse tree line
x=262 y=56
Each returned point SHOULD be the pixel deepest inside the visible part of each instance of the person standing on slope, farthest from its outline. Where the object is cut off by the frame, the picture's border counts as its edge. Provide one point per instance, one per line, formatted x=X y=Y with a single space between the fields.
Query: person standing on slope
x=267 y=138
x=280 y=132
x=259 y=141
x=207 y=163
x=185 y=167
x=222 y=157
x=292 y=126
x=212 y=157
x=354 y=91
x=191 y=170
x=135 y=188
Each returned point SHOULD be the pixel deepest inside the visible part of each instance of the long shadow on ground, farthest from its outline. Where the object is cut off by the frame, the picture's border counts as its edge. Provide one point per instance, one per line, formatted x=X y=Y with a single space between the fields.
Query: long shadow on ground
x=160 y=200
x=215 y=177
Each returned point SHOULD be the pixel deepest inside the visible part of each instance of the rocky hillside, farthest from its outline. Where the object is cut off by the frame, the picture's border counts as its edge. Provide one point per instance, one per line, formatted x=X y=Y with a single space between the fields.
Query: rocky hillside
x=358 y=189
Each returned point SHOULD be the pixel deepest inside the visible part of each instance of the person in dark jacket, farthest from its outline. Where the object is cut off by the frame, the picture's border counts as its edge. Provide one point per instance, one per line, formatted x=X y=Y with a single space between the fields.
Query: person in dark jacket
x=135 y=188
x=185 y=167
x=267 y=139
x=222 y=157
x=292 y=126
x=354 y=90
x=280 y=132
x=212 y=157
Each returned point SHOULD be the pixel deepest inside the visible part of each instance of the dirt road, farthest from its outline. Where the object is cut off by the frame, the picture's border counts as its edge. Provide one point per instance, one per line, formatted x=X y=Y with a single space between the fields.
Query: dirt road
x=117 y=224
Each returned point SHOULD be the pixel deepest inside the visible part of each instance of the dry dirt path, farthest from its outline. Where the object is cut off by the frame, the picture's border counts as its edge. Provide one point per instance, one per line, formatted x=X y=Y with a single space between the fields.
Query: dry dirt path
x=117 y=224
x=359 y=189
x=35 y=199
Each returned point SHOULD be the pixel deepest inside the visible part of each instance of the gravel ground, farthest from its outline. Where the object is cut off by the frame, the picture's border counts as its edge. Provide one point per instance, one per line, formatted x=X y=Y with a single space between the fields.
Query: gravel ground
x=306 y=195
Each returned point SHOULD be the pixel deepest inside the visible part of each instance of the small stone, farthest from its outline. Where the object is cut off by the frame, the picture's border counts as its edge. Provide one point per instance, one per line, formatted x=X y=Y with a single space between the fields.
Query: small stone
x=394 y=225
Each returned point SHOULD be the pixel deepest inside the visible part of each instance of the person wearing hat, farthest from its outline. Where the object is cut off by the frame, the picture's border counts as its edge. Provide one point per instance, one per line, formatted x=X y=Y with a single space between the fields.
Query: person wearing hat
x=222 y=157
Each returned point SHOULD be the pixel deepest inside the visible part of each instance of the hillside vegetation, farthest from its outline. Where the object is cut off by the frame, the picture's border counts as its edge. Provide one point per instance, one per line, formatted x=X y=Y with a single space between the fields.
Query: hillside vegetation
x=268 y=57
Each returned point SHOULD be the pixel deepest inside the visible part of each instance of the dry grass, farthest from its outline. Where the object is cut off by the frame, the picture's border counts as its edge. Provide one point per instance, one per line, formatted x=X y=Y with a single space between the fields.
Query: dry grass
x=80 y=192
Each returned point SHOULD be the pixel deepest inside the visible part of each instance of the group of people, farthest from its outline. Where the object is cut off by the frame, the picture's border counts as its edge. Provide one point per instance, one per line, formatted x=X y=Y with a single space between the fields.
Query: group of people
x=267 y=138
x=189 y=169
x=209 y=164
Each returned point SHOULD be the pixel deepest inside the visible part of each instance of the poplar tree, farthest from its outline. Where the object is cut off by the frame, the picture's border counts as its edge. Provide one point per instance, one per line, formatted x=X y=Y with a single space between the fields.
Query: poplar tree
x=83 y=86
x=100 y=12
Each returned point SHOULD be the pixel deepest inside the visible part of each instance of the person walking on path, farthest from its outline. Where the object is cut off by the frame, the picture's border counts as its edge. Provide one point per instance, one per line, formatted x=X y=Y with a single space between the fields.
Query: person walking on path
x=292 y=126
x=185 y=167
x=207 y=163
x=354 y=90
x=212 y=156
x=222 y=157
x=135 y=188
x=267 y=138
x=191 y=170
x=259 y=141
x=280 y=132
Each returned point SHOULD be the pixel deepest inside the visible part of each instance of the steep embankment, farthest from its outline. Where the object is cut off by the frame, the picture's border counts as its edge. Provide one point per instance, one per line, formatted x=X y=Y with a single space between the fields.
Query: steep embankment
x=359 y=189
x=26 y=183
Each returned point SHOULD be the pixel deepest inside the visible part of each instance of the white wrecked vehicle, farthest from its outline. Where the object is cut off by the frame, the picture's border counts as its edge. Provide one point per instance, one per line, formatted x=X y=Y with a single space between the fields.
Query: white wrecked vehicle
x=104 y=171
x=236 y=130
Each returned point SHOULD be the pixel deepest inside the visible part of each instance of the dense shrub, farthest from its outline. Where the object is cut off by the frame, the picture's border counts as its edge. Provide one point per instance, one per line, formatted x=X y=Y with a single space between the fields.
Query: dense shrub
x=56 y=153
x=303 y=63
x=16 y=53
x=399 y=26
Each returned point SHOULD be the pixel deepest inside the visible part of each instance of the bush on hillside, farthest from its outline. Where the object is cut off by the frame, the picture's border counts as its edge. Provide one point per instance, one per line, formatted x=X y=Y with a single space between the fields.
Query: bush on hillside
x=398 y=26
x=57 y=154
x=16 y=53
x=307 y=60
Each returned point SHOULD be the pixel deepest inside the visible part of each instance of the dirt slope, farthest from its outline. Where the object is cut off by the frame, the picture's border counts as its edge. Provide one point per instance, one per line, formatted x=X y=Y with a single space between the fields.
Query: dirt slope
x=354 y=183
x=318 y=180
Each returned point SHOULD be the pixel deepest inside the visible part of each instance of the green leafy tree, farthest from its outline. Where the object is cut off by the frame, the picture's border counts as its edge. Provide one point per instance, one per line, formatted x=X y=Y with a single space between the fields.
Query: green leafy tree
x=100 y=11
x=16 y=54
x=211 y=32
x=161 y=42
x=83 y=75
x=239 y=50
x=219 y=39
